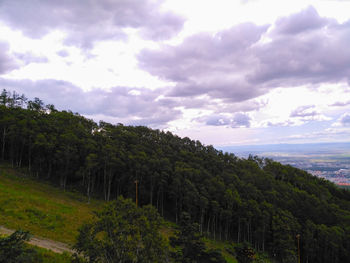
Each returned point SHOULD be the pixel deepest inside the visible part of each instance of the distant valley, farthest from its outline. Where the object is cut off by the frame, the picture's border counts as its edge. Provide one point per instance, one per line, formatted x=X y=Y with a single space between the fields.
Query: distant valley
x=327 y=160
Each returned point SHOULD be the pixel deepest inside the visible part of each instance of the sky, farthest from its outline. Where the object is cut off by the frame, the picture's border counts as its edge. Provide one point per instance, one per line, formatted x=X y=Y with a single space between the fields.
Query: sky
x=225 y=72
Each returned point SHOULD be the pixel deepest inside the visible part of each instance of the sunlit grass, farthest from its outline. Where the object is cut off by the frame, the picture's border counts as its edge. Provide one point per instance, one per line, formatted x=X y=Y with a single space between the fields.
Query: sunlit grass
x=40 y=208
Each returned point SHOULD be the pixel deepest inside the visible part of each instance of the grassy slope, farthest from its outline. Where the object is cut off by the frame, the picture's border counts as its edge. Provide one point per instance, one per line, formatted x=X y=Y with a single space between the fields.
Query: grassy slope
x=47 y=211
x=40 y=208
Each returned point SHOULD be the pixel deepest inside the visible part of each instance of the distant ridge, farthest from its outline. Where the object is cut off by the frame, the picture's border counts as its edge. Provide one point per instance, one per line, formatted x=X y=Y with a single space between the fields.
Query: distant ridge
x=328 y=147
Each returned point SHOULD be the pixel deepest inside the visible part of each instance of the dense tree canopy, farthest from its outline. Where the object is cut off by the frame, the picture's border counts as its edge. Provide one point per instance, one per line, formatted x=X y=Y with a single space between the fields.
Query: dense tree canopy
x=123 y=233
x=252 y=200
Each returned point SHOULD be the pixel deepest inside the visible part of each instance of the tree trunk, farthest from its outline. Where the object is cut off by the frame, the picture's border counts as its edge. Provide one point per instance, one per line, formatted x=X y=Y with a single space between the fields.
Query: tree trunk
x=29 y=154
x=3 y=143
x=151 y=192
x=88 y=187
x=201 y=225
x=109 y=185
x=176 y=216
x=208 y=228
x=239 y=230
x=105 y=181
x=263 y=240
x=50 y=170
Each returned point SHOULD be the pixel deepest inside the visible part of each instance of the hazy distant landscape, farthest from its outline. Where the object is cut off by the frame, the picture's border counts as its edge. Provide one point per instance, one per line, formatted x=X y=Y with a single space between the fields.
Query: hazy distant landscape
x=327 y=160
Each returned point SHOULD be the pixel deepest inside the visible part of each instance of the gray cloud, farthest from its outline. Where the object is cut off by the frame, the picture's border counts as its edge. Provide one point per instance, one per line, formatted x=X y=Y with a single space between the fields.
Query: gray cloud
x=206 y=64
x=345 y=120
x=240 y=120
x=304 y=111
x=279 y=123
x=319 y=55
x=90 y=21
x=28 y=58
x=235 y=121
x=63 y=53
x=117 y=103
x=340 y=103
x=235 y=65
x=307 y=113
x=306 y=20
x=7 y=62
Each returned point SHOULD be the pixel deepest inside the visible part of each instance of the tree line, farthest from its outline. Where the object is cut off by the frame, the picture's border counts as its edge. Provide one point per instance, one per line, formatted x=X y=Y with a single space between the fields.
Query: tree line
x=254 y=200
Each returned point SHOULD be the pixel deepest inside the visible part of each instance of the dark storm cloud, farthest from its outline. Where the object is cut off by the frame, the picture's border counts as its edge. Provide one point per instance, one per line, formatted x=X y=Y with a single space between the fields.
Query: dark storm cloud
x=7 y=62
x=90 y=21
x=247 y=60
x=118 y=102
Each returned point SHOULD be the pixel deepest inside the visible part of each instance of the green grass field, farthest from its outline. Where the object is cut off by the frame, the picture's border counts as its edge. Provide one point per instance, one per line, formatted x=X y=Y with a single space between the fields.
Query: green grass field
x=40 y=208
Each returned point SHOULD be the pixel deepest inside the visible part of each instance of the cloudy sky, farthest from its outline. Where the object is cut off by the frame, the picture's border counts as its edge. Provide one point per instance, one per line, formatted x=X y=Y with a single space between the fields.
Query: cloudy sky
x=224 y=72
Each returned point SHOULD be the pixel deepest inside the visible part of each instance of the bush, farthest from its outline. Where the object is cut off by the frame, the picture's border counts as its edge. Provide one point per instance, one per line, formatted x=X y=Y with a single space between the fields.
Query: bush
x=14 y=250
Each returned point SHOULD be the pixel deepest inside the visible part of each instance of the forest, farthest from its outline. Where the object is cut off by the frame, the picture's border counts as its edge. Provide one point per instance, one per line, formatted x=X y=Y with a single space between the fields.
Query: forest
x=254 y=200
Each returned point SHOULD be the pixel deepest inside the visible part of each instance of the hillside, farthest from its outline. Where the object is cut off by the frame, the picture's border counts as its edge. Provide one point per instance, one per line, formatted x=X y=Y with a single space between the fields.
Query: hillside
x=40 y=208
x=21 y=195
x=252 y=200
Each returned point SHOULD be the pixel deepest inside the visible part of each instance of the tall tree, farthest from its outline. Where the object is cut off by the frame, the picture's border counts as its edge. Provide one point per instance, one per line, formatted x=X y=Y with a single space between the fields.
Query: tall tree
x=123 y=233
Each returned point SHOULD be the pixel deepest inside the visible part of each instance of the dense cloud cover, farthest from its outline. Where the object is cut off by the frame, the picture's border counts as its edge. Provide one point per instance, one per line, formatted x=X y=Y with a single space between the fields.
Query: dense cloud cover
x=249 y=60
x=223 y=78
x=205 y=64
x=86 y=22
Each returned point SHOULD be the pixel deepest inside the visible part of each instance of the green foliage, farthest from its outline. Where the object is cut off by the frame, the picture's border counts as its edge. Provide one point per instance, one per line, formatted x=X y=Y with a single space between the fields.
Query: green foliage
x=189 y=245
x=14 y=250
x=47 y=256
x=245 y=254
x=252 y=200
x=123 y=233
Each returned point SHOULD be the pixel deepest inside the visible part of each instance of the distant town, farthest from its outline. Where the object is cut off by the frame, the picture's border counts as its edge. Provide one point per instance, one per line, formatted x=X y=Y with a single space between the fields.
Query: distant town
x=333 y=169
x=326 y=160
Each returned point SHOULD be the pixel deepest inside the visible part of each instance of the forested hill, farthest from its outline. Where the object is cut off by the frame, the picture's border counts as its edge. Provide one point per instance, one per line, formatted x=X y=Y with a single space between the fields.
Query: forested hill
x=254 y=200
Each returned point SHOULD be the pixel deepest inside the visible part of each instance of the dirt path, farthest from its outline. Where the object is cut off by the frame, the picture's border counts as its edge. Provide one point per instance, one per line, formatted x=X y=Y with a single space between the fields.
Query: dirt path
x=54 y=246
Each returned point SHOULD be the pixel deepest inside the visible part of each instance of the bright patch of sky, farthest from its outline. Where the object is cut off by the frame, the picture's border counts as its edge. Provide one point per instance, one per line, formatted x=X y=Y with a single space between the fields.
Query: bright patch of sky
x=223 y=72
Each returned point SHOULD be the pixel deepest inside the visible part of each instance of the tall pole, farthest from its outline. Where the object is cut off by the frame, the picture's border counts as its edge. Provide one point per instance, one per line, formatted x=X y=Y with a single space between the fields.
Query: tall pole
x=136 y=182
x=298 y=237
